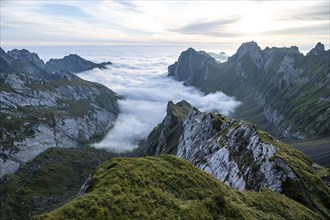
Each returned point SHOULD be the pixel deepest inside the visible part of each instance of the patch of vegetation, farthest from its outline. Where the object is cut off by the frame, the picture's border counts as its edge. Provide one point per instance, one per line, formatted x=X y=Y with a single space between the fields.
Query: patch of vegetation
x=48 y=181
x=5 y=87
x=74 y=107
x=54 y=84
x=171 y=188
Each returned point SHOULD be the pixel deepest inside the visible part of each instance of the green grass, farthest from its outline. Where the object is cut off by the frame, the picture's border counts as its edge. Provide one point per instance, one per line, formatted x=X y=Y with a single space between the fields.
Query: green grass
x=171 y=188
x=48 y=181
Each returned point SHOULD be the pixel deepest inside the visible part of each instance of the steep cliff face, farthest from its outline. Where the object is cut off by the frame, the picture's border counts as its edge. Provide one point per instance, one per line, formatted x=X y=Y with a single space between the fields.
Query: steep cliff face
x=171 y=188
x=54 y=110
x=164 y=138
x=245 y=158
x=283 y=91
x=191 y=65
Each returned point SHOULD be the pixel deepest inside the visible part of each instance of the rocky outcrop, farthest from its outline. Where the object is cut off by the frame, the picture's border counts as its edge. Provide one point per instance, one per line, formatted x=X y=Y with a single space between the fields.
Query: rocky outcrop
x=233 y=152
x=74 y=64
x=191 y=66
x=318 y=49
x=279 y=82
x=240 y=155
x=164 y=138
x=54 y=110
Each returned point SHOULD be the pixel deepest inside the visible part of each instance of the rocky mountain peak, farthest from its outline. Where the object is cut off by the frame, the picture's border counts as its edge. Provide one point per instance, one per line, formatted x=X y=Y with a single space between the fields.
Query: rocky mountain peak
x=318 y=49
x=74 y=64
x=190 y=61
x=248 y=48
x=25 y=55
x=2 y=52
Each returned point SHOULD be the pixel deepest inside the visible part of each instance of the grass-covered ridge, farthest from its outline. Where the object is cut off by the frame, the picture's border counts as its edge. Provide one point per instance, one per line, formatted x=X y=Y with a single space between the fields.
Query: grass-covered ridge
x=171 y=188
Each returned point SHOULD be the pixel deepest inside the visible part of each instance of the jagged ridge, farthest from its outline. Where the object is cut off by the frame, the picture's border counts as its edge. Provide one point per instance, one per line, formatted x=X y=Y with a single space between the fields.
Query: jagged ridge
x=282 y=91
x=243 y=157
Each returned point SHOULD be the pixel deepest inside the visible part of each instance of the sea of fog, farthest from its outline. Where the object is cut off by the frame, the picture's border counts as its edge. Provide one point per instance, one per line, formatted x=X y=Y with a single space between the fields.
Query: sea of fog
x=139 y=73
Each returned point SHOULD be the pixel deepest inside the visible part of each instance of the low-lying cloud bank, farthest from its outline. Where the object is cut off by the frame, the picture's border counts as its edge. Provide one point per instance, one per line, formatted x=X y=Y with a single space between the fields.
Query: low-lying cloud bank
x=147 y=89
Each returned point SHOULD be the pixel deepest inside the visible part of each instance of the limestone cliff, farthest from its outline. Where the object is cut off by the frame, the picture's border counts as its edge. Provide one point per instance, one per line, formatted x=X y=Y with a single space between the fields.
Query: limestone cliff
x=40 y=109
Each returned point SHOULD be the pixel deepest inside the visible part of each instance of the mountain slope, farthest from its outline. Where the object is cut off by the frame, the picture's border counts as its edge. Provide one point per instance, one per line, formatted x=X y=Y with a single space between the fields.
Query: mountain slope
x=168 y=187
x=39 y=109
x=48 y=181
x=241 y=156
x=283 y=91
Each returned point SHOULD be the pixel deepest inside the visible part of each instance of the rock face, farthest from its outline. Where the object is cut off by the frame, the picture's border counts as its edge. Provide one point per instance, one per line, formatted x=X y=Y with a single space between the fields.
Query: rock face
x=39 y=109
x=282 y=90
x=190 y=66
x=237 y=153
x=233 y=152
x=165 y=137
x=74 y=64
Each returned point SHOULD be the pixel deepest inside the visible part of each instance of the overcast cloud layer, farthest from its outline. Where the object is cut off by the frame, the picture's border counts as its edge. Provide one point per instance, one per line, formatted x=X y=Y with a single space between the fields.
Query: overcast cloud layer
x=225 y=23
x=141 y=77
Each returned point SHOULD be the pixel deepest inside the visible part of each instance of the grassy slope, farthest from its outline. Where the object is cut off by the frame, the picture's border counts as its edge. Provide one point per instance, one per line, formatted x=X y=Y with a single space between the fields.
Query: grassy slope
x=317 y=149
x=47 y=182
x=171 y=188
x=310 y=190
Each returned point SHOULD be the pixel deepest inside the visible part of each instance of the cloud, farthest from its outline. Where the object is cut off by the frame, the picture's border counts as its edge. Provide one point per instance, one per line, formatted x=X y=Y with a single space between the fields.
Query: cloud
x=302 y=31
x=63 y=10
x=317 y=12
x=213 y=28
x=142 y=79
x=129 y=5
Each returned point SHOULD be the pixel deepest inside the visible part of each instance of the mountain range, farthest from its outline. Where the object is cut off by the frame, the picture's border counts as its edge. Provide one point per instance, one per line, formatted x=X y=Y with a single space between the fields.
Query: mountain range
x=282 y=91
x=193 y=165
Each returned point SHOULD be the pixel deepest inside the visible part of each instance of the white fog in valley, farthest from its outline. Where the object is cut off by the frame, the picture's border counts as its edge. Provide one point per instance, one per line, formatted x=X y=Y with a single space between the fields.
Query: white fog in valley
x=139 y=74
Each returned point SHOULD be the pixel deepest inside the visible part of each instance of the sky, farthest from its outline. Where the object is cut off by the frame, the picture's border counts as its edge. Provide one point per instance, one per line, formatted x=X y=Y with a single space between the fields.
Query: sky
x=221 y=23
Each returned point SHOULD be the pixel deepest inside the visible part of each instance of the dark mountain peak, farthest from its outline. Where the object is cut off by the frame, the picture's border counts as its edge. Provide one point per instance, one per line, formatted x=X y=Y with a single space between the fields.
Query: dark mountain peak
x=74 y=57
x=190 y=49
x=170 y=105
x=318 y=49
x=292 y=48
x=73 y=63
x=187 y=62
x=2 y=52
x=182 y=106
x=164 y=138
x=250 y=49
x=25 y=55
x=193 y=52
x=246 y=48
